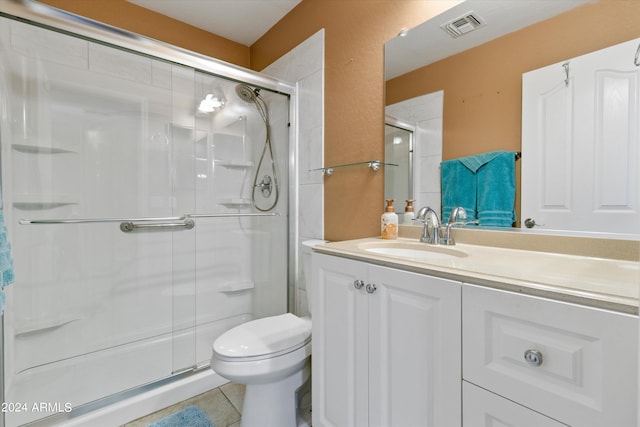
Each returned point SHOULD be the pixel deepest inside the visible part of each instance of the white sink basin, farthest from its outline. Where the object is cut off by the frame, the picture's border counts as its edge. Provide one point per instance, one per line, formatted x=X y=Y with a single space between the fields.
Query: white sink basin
x=420 y=251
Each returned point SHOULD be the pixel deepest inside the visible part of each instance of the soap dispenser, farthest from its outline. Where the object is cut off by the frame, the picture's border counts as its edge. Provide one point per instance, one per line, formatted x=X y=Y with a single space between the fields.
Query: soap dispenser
x=389 y=224
x=408 y=212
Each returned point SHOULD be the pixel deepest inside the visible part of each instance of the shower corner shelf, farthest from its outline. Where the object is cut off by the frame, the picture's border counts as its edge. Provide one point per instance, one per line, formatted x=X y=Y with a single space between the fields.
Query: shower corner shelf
x=29 y=202
x=231 y=287
x=237 y=164
x=38 y=149
x=235 y=203
x=373 y=164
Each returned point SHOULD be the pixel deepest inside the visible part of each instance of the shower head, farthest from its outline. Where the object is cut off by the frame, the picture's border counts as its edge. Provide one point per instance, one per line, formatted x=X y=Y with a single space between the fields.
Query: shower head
x=246 y=93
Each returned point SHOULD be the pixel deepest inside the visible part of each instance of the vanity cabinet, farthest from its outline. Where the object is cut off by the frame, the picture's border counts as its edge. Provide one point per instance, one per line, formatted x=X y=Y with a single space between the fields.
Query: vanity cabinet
x=386 y=346
x=481 y=408
x=574 y=364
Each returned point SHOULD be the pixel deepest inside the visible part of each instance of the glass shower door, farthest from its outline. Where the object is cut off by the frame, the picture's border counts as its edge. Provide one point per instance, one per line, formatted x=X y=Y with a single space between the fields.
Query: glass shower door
x=95 y=187
x=138 y=234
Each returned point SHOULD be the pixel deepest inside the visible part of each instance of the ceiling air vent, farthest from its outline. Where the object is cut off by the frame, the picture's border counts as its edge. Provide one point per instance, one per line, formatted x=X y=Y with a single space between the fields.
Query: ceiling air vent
x=464 y=24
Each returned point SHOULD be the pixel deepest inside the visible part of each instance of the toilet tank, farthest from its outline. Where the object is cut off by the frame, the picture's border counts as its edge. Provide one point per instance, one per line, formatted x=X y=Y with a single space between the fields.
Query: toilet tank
x=307 y=249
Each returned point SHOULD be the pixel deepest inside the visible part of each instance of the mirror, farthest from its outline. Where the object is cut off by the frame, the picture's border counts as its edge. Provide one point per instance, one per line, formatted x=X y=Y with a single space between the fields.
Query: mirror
x=398 y=149
x=422 y=116
x=486 y=105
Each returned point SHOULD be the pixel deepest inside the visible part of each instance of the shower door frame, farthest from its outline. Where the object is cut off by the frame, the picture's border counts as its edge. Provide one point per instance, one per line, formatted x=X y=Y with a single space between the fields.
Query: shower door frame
x=38 y=14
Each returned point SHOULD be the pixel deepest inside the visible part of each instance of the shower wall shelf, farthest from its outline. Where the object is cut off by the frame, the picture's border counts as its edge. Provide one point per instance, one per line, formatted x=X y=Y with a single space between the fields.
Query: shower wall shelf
x=235 y=164
x=31 y=202
x=34 y=206
x=235 y=203
x=231 y=287
x=373 y=164
x=38 y=149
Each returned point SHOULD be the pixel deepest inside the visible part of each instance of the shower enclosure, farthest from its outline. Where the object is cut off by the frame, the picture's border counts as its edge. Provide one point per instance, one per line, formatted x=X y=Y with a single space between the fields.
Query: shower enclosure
x=147 y=205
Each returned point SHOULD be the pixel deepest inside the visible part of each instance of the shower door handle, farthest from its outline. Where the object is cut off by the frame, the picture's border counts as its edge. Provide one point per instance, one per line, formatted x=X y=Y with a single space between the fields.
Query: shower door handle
x=129 y=226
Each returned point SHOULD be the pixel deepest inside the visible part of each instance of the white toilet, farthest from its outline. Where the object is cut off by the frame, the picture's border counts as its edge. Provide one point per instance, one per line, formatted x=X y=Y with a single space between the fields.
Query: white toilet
x=272 y=357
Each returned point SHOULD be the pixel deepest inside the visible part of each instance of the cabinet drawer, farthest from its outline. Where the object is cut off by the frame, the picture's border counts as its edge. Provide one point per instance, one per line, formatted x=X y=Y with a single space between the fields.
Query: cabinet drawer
x=482 y=408
x=586 y=371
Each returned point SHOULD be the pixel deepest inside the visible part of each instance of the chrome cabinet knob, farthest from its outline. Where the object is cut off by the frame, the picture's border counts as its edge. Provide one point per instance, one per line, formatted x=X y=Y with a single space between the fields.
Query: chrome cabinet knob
x=358 y=284
x=533 y=357
x=371 y=288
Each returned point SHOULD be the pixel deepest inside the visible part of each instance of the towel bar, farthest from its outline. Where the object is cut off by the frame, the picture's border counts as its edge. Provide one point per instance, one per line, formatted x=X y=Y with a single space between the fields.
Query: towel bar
x=226 y=215
x=134 y=220
x=93 y=220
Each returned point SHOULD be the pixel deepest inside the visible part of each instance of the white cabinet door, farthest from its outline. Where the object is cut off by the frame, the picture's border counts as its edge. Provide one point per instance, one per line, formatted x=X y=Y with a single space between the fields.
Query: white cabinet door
x=414 y=350
x=485 y=409
x=384 y=357
x=573 y=363
x=581 y=142
x=339 y=343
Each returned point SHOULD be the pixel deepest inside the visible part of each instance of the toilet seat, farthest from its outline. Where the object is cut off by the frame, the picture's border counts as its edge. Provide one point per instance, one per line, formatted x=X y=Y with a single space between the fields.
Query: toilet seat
x=263 y=338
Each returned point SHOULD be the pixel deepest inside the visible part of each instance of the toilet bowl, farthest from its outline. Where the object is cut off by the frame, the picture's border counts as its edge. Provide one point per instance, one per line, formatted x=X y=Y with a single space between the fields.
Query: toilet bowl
x=271 y=356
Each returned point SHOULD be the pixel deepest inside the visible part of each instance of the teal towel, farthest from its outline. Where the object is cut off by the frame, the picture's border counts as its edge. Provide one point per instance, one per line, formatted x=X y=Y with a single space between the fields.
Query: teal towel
x=497 y=190
x=7 y=275
x=473 y=163
x=191 y=416
x=458 y=188
x=484 y=185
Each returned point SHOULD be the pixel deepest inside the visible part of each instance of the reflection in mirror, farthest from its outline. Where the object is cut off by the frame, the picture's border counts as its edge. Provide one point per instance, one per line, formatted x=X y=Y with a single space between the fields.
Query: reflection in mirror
x=423 y=114
x=398 y=149
x=429 y=42
x=480 y=73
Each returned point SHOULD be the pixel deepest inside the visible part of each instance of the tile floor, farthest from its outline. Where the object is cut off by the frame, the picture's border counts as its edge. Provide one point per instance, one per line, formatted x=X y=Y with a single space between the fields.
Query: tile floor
x=222 y=405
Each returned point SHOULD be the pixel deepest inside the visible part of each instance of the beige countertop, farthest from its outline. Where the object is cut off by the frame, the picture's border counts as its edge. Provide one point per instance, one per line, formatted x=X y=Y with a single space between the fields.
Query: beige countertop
x=604 y=282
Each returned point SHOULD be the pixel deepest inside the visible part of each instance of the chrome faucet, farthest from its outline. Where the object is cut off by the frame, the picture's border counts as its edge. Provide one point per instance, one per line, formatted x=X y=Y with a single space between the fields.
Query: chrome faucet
x=431 y=229
x=456 y=213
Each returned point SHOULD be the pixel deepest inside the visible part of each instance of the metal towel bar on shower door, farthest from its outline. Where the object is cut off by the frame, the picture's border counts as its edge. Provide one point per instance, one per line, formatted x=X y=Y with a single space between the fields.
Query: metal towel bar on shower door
x=129 y=224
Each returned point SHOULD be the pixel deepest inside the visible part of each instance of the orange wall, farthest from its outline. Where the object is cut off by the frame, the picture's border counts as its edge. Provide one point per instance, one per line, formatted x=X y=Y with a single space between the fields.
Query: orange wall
x=355 y=32
x=128 y=16
x=483 y=86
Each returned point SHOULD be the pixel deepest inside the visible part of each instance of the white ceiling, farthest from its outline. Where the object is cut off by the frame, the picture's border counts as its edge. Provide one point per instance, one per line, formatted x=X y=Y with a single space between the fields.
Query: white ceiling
x=243 y=21
x=428 y=43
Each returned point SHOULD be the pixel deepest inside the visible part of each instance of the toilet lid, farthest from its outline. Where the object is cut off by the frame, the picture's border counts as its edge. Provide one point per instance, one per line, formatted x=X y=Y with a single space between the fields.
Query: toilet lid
x=263 y=336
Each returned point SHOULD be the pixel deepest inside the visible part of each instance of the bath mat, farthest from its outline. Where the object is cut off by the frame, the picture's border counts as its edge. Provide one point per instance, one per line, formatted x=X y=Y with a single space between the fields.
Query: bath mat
x=191 y=416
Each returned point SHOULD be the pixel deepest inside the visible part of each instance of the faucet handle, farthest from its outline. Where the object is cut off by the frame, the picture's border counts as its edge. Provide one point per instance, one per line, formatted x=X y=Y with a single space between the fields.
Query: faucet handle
x=457 y=212
x=446 y=237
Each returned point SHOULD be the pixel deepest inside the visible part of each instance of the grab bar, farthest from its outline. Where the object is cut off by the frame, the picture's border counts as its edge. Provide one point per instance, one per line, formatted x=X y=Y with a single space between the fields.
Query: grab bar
x=129 y=226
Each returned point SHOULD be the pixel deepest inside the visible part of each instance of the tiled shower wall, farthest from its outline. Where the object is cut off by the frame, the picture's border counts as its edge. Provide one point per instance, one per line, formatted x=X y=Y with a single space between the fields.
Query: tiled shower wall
x=304 y=65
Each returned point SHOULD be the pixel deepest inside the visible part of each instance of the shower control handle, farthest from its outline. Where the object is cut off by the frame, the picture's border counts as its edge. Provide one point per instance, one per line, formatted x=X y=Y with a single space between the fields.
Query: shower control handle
x=358 y=284
x=265 y=186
